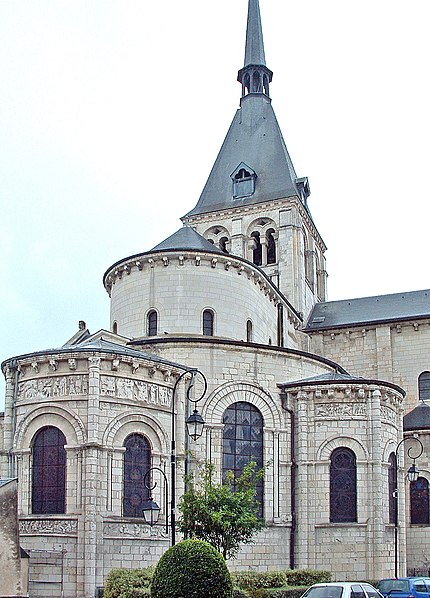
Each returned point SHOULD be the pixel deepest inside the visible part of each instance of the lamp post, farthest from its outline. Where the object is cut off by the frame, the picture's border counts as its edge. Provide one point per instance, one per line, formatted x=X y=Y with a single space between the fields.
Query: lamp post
x=412 y=476
x=194 y=424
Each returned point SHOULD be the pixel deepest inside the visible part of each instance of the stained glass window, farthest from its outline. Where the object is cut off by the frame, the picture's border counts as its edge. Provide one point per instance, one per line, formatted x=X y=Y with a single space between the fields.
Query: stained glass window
x=392 y=485
x=343 y=486
x=420 y=501
x=48 y=495
x=243 y=441
x=137 y=461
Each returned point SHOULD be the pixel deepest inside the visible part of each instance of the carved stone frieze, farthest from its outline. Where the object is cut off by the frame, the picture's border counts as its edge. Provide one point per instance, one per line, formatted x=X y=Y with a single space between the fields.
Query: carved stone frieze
x=42 y=527
x=58 y=386
x=133 y=530
x=340 y=410
x=135 y=390
x=388 y=415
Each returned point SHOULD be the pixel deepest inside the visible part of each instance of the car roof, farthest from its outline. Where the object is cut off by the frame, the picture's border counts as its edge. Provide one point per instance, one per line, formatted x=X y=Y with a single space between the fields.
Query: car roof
x=339 y=583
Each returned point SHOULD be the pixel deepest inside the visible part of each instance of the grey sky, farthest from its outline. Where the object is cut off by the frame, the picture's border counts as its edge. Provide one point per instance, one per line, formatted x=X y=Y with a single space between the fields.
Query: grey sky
x=112 y=113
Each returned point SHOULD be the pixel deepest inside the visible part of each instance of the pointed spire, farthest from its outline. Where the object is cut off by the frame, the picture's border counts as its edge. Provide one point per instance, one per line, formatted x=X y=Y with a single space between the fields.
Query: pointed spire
x=255 y=76
x=254 y=48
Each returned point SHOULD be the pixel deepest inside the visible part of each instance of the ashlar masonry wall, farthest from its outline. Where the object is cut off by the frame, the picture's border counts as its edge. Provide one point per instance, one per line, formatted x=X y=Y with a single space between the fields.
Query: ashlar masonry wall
x=397 y=353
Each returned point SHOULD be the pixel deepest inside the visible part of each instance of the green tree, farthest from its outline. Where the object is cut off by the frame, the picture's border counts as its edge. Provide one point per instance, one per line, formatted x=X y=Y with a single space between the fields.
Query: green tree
x=226 y=514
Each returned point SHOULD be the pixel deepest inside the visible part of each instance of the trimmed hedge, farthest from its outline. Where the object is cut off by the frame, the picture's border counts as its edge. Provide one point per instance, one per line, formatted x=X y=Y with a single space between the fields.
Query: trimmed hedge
x=135 y=583
x=192 y=568
x=306 y=577
x=252 y=580
x=128 y=583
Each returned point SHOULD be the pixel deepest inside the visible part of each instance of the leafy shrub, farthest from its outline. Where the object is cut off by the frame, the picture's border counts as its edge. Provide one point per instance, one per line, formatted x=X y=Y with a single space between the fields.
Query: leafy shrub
x=191 y=569
x=128 y=583
x=306 y=577
x=252 y=580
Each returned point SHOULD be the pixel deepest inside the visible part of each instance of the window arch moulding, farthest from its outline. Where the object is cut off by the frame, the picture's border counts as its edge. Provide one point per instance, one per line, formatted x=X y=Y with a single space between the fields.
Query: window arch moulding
x=63 y=419
x=233 y=392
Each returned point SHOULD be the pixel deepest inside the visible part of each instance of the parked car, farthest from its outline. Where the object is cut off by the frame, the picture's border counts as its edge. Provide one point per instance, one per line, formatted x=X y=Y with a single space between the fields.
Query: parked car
x=342 y=589
x=405 y=587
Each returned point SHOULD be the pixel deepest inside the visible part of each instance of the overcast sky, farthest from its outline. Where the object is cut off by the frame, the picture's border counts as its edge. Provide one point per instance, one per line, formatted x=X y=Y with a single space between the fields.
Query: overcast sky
x=112 y=113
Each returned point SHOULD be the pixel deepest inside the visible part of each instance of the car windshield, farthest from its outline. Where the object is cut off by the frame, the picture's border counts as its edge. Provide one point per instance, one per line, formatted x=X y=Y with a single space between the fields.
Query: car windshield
x=324 y=592
x=393 y=585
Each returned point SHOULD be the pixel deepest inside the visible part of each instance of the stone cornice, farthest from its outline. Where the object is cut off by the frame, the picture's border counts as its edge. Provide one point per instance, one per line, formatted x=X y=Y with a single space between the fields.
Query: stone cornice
x=162 y=259
x=70 y=362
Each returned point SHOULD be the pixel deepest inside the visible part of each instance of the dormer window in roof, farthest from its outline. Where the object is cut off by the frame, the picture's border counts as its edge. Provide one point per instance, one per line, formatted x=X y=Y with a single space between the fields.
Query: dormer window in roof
x=243 y=181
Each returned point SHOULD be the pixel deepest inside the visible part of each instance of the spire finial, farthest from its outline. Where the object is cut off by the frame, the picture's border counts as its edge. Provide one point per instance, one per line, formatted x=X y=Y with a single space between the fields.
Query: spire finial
x=255 y=76
x=254 y=47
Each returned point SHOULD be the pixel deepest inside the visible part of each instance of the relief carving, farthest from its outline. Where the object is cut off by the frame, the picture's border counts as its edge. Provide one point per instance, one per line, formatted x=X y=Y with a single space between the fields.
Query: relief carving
x=137 y=390
x=388 y=414
x=47 y=526
x=134 y=530
x=46 y=388
x=340 y=410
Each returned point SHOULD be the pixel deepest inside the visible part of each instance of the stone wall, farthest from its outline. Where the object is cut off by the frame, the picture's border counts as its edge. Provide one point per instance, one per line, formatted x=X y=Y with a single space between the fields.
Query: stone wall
x=175 y=285
x=13 y=570
x=396 y=353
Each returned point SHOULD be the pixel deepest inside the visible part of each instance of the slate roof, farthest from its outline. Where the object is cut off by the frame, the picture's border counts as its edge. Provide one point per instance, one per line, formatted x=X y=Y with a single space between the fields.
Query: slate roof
x=370 y=310
x=254 y=138
x=418 y=418
x=186 y=238
x=100 y=345
x=337 y=377
x=254 y=47
x=4 y=482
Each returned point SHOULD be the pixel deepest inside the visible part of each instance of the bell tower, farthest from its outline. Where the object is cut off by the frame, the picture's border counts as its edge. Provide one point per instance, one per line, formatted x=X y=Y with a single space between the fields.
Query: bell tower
x=253 y=204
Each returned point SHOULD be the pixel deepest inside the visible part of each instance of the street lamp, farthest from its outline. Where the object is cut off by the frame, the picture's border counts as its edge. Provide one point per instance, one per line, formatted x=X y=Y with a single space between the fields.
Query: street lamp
x=194 y=424
x=151 y=510
x=412 y=475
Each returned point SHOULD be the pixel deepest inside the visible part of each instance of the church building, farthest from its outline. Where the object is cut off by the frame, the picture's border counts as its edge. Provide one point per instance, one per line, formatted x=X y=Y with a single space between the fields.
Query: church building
x=330 y=397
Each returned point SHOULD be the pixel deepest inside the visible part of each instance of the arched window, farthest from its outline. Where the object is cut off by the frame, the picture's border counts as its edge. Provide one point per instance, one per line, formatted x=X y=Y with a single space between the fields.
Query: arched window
x=256 y=252
x=392 y=485
x=256 y=82
x=343 y=486
x=48 y=494
x=208 y=322
x=271 y=246
x=424 y=386
x=223 y=244
x=419 y=492
x=137 y=461
x=115 y=328
x=152 y=321
x=243 y=440
x=249 y=331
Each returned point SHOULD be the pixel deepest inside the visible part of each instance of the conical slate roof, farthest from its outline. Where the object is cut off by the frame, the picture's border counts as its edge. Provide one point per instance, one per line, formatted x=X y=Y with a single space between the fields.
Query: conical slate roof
x=254 y=140
x=418 y=418
x=186 y=238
